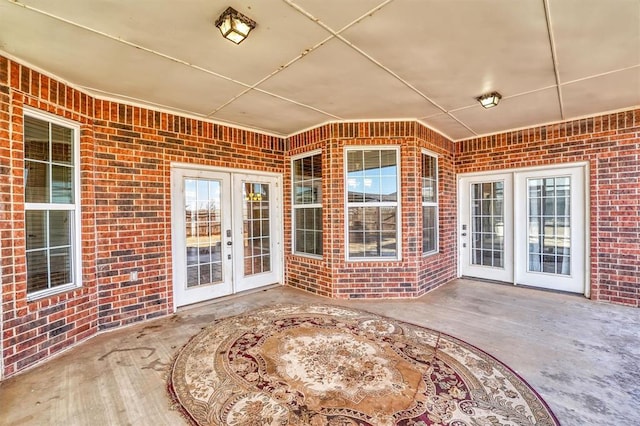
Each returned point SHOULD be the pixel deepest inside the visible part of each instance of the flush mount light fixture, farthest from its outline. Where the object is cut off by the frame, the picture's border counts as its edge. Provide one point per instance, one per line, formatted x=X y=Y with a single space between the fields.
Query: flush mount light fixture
x=234 y=25
x=489 y=100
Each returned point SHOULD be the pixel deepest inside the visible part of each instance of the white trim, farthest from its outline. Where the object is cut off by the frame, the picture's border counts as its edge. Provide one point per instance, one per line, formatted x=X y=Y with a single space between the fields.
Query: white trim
x=584 y=171
x=240 y=283
x=181 y=170
x=397 y=204
x=436 y=249
x=306 y=154
x=295 y=206
x=548 y=123
x=523 y=169
x=207 y=168
x=1 y=334
x=76 y=246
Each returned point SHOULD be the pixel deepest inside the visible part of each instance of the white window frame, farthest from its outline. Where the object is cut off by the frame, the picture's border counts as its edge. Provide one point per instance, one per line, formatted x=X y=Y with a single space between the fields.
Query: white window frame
x=295 y=206
x=75 y=208
x=397 y=204
x=431 y=203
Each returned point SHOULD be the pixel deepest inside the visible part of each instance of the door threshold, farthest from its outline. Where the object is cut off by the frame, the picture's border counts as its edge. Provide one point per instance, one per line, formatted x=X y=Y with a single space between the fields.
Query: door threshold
x=228 y=297
x=530 y=287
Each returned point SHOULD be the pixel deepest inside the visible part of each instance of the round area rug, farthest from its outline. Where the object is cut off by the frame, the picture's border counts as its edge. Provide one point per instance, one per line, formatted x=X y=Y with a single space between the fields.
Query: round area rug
x=331 y=366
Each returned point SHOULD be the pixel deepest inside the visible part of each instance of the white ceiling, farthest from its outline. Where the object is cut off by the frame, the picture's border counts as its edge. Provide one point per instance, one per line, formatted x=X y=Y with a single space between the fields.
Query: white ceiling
x=313 y=61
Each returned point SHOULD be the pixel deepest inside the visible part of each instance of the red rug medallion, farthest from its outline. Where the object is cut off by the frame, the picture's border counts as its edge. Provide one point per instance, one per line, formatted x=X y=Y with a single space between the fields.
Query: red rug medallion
x=330 y=366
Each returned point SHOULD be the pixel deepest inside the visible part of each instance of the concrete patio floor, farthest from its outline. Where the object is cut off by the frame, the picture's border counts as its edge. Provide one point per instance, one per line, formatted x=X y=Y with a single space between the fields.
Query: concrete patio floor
x=582 y=357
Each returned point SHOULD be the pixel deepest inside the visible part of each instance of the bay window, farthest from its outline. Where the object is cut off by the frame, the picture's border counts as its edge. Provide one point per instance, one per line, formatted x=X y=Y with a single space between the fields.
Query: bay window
x=372 y=199
x=429 y=203
x=307 y=204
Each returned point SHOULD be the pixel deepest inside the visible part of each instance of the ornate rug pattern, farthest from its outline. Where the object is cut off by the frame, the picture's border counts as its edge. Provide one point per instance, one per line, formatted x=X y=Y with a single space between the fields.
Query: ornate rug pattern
x=323 y=365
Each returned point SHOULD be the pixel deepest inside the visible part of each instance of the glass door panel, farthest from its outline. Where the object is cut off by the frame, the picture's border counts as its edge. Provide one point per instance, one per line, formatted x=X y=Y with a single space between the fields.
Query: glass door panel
x=203 y=201
x=487 y=224
x=257 y=209
x=553 y=237
x=256 y=224
x=549 y=225
x=486 y=236
x=200 y=216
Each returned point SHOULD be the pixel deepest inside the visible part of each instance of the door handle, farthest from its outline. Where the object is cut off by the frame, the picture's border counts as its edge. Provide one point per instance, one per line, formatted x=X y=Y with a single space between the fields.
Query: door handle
x=229 y=243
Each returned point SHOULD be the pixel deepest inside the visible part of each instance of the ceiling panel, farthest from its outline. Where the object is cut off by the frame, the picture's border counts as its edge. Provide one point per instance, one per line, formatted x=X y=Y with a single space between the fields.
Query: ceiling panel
x=268 y=113
x=595 y=36
x=448 y=126
x=513 y=113
x=337 y=13
x=413 y=51
x=93 y=61
x=337 y=79
x=185 y=30
x=454 y=51
x=604 y=93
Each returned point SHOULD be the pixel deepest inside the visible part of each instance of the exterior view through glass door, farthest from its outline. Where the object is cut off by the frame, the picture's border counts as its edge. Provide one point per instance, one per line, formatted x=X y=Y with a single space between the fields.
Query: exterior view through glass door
x=525 y=227
x=257 y=231
x=226 y=233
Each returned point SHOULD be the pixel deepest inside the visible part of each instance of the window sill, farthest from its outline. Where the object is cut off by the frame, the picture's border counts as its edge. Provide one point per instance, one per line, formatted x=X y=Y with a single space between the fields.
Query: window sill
x=42 y=294
x=307 y=255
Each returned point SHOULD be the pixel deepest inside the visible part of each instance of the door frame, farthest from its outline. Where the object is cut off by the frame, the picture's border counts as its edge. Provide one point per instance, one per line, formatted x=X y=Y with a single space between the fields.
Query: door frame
x=508 y=228
x=240 y=283
x=278 y=246
x=585 y=169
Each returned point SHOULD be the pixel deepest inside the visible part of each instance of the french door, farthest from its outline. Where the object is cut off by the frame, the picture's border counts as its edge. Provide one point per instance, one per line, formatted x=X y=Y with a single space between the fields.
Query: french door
x=226 y=231
x=525 y=227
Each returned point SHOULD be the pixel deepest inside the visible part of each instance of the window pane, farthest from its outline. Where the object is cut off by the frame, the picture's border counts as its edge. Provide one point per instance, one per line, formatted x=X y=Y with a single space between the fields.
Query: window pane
x=37 y=271
x=61 y=144
x=307 y=189
x=428 y=229
x=36 y=182
x=548 y=225
x=59 y=228
x=378 y=235
x=487 y=230
x=429 y=179
x=35 y=225
x=356 y=244
x=372 y=178
x=62 y=183
x=430 y=206
x=308 y=229
x=388 y=244
x=50 y=178
x=60 y=266
x=388 y=218
x=389 y=190
x=36 y=139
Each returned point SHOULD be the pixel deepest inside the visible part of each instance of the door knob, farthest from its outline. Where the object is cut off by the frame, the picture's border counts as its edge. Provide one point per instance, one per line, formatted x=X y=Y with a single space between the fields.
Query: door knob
x=229 y=243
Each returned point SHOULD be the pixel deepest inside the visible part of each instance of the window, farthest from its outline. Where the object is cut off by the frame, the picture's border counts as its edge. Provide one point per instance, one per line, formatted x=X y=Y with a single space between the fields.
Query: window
x=429 y=203
x=307 y=204
x=51 y=180
x=372 y=203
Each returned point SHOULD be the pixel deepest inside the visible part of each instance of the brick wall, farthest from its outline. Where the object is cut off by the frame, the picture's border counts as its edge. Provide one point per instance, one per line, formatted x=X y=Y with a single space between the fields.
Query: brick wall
x=611 y=145
x=414 y=274
x=126 y=153
x=35 y=330
x=438 y=269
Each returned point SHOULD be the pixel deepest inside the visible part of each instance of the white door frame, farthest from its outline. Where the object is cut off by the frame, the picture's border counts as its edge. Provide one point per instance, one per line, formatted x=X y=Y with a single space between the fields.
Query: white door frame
x=505 y=273
x=240 y=282
x=277 y=228
x=182 y=295
x=583 y=165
